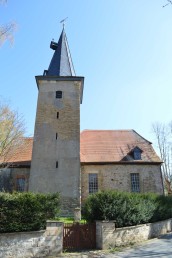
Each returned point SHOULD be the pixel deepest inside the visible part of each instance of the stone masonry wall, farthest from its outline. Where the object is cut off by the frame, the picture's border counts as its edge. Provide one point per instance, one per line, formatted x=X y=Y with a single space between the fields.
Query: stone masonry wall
x=109 y=237
x=33 y=244
x=117 y=177
x=55 y=163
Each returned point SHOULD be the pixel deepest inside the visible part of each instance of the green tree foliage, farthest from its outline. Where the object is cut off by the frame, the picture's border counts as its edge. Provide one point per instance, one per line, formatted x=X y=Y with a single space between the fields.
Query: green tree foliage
x=27 y=211
x=163 y=209
x=127 y=209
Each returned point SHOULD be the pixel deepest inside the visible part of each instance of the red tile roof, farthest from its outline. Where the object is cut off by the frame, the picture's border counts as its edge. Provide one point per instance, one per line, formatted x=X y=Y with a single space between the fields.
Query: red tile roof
x=114 y=146
x=21 y=155
x=98 y=146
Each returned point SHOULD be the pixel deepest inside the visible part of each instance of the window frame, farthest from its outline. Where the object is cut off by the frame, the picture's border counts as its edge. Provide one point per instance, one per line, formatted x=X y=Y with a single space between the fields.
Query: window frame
x=25 y=188
x=92 y=183
x=135 y=182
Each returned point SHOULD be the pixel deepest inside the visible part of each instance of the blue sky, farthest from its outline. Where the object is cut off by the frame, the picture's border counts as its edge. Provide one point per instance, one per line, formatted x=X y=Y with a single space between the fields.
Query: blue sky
x=123 y=48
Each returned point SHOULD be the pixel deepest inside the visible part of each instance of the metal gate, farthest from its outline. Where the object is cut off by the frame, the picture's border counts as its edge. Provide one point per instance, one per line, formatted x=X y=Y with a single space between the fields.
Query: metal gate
x=79 y=236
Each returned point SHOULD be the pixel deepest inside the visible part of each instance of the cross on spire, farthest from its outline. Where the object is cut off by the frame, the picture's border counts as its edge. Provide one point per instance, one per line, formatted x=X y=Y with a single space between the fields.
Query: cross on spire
x=63 y=22
x=61 y=63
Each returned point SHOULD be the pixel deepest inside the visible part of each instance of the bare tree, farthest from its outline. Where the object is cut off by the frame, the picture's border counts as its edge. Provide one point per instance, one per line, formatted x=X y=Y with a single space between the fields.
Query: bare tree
x=163 y=136
x=7 y=30
x=11 y=134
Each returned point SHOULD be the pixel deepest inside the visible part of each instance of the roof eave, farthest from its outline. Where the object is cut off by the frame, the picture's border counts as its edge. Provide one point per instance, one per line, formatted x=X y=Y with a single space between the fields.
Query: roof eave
x=121 y=163
x=17 y=165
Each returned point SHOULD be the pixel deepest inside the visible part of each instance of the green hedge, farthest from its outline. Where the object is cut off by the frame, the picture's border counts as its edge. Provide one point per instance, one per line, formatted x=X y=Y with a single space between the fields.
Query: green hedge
x=27 y=211
x=164 y=208
x=127 y=209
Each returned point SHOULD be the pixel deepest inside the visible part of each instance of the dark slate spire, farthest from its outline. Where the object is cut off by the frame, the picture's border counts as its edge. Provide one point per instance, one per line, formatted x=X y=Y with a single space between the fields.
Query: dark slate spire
x=61 y=63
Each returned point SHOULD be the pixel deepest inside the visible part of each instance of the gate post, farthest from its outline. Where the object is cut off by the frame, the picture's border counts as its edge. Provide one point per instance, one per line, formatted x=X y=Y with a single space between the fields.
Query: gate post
x=104 y=232
x=54 y=236
x=77 y=214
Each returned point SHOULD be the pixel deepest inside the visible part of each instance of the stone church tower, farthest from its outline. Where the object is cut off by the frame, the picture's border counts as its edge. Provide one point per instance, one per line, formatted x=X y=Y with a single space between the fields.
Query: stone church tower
x=55 y=165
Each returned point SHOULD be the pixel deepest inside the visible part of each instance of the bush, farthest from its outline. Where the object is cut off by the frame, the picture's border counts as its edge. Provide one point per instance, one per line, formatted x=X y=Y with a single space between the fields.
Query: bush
x=27 y=211
x=164 y=208
x=126 y=209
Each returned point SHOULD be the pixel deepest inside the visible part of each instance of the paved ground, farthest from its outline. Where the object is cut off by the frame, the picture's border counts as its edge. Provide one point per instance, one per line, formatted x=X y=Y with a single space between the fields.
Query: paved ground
x=154 y=248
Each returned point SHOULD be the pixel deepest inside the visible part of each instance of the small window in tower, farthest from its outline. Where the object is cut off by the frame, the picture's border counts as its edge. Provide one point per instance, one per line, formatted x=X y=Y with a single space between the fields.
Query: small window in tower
x=57 y=164
x=58 y=94
x=56 y=135
x=57 y=115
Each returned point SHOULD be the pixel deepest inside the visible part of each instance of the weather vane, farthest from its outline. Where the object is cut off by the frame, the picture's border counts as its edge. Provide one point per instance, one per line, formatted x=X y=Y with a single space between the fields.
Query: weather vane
x=63 y=22
x=169 y=2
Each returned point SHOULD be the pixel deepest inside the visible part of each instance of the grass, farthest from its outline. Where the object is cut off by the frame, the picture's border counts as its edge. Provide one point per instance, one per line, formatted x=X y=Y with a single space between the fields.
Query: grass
x=69 y=220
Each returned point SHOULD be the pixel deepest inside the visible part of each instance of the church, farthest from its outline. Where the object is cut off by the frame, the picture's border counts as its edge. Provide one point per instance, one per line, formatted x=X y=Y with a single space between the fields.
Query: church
x=61 y=159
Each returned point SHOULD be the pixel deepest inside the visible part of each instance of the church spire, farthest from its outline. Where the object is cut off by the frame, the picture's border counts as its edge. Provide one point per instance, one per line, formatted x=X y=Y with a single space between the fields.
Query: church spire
x=61 y=63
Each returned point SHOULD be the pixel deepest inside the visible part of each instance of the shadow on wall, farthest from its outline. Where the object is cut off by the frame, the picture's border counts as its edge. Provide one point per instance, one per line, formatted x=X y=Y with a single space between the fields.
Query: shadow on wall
x=5 y=180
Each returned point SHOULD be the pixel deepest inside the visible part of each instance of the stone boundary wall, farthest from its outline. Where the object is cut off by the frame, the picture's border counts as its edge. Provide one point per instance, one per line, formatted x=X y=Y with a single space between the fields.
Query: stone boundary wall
x=49 y=242
x=33 y=244
x=107 y=236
